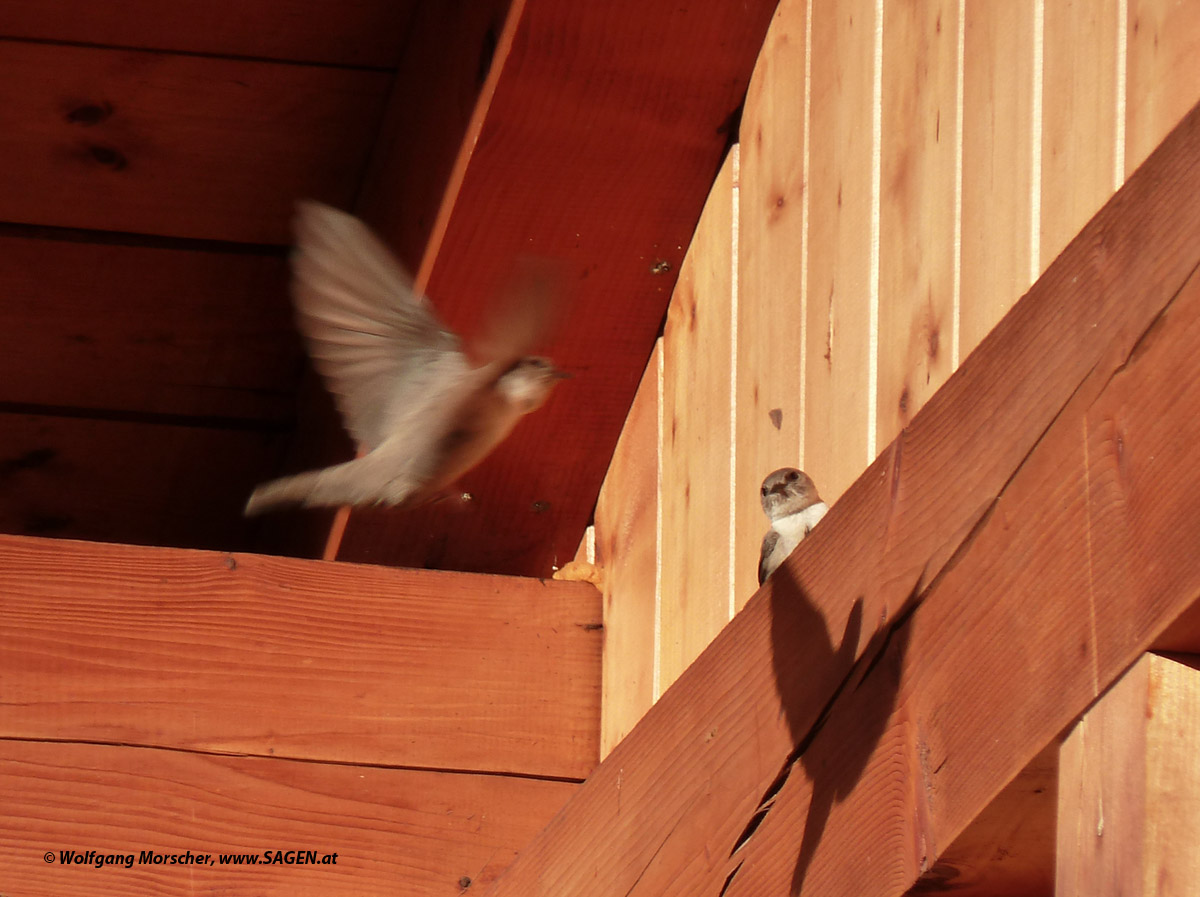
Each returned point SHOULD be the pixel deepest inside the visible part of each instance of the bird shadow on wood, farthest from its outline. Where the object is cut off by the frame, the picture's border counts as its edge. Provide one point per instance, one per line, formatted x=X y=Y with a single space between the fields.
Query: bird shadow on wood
x=835 y=749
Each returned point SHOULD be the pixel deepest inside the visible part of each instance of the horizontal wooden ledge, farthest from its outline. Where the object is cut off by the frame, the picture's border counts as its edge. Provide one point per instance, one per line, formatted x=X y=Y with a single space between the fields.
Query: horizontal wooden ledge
x=394 y=831
x=318 y=660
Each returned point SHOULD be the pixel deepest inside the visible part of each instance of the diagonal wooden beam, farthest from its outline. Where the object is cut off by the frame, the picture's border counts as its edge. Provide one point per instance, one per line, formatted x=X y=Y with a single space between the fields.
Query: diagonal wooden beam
x=595 y=141
x=242 y=653
x=1087 y=555
x=668 y=808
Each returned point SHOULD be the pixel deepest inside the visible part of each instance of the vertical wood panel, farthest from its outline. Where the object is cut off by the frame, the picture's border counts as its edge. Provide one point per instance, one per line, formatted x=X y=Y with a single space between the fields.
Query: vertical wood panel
x=839 y=253
x=696 y=438
x=916 y=258
x=627 y=553
x=1164 y=72
x=1129 y=797
x=771 y=269
x=1079 y=105
x=996 y=167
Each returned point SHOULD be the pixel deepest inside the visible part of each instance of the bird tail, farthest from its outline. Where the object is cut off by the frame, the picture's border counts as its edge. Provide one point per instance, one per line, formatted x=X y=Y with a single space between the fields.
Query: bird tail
x=285 y=492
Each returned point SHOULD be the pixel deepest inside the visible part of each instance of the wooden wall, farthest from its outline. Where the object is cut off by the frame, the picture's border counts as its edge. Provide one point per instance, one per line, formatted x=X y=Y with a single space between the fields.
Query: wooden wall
x=905 y=171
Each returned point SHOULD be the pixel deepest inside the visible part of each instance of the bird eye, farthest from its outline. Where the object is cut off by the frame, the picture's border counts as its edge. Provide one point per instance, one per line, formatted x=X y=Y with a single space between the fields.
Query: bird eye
x=793 y=476
x=765 y=490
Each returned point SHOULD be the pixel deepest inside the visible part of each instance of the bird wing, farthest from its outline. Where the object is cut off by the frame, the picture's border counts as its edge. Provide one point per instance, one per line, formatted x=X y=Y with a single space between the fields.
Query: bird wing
x=382 y=352
x=770 y=540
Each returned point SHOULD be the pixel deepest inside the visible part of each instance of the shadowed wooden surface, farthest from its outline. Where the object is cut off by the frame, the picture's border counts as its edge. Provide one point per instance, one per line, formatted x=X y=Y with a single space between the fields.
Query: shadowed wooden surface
x=596 y=141
x=671 y=803
x=305 y=659
x=393 y=830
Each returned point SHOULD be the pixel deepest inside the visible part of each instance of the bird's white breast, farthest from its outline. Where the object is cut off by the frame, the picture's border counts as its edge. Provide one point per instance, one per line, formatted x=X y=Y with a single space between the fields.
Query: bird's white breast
x=794 y=527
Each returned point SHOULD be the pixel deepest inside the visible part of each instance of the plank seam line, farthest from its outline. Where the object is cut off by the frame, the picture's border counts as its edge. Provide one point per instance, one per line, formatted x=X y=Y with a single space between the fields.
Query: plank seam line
x=242 y=755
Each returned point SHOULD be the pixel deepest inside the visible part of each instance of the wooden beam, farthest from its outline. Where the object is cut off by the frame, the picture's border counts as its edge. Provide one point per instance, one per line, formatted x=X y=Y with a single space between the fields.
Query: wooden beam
x=595 y=140
x=395 y=831
x=1129 y=802
x=186 y=146
x=146 y=328
x=369 y=32
x=668 y=808
x=305 y=659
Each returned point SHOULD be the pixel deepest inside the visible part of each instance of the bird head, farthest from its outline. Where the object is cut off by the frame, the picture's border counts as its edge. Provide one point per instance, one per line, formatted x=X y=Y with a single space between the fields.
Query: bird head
x=787 y=491
x=529 y=382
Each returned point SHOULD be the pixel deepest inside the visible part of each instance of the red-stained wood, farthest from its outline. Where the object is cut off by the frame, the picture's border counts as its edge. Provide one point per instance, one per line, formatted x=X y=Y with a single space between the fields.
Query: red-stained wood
x=394 y=831
x=145 y=481
x=361 y=32
x=1009 y=847
x=305 y=659
x=667 y=809
x=446 y=62
x=178 y=145
x=596 y=141
x=1085 y=558
x=132 y=328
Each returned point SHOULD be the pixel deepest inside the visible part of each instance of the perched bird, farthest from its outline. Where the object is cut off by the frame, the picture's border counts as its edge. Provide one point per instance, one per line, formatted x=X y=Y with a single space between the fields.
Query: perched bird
x=423 y=408
x=791 y=503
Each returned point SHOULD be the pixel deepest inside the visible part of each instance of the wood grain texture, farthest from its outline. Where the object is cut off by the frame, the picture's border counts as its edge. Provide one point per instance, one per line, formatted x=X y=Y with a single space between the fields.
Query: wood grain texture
x=394 y=830
x=178 y=145
x=306 y=659
x=770 y=311
x=1083 y=559
x=917 y=223
x=1129 y=801
x=1164 y=72
x=1009 y=847
x=621 y=112
x=997 y=177
x=667 y=808
x=428 y=118
x=1079 y=110
x=839 y=251
x=627 y=553
x=695 y=498
x=145 y=482
x=363 y=32
x=141 y=329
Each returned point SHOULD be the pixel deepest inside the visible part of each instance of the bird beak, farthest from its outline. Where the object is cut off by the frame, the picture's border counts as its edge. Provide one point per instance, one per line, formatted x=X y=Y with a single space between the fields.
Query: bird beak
x=779 y=489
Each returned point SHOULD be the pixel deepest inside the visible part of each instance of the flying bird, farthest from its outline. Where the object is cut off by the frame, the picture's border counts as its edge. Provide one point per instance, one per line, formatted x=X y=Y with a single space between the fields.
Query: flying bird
x=423 y=408
x=791 y=503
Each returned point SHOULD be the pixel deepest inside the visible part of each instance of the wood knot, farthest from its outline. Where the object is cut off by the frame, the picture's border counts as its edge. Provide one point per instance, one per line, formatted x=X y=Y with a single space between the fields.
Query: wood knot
x=90 y=114
x=109 y=157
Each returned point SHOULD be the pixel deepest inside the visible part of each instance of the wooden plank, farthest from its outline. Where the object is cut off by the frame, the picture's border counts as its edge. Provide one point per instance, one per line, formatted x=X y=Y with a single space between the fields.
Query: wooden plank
x=837 y=330
x=1079 y=118
x=178 y=145
x=1009 y=847
x=918 y=160
x=1164 y=73
x=1083 y=560
x=771 y=280
x=627 y=554
x=1129 y=802
x=163 y=482
x=620 y=112
x=696 y=438
x=146 y=329
x=997 y=174
x=408 y=177
x=306 y=659
x=393 y=830
x=667 y=808
x=366 y=32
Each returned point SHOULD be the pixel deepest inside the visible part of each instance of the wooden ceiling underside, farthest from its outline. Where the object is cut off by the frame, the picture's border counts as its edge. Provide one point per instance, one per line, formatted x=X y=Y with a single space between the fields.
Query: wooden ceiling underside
x=149 y=370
